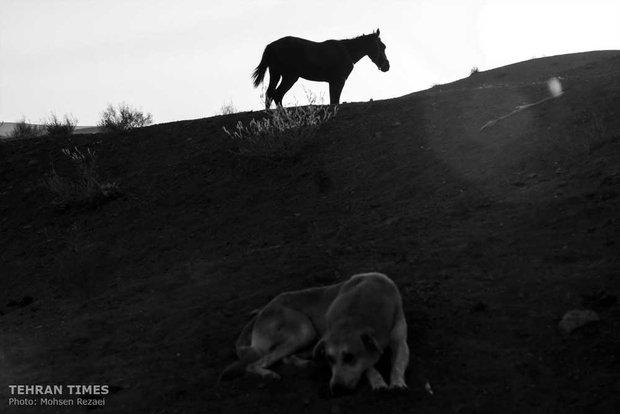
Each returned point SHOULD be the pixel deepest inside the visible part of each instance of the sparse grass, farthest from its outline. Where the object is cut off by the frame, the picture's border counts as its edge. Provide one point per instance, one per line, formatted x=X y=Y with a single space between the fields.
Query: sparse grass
x=23 y=129
x=312 y=98
x=80 y=186
x=590 y=135
x=474 y=71
x=55 y=128
x=591 y=132
x=282 y=134
x=596 y=133
x=123 y=118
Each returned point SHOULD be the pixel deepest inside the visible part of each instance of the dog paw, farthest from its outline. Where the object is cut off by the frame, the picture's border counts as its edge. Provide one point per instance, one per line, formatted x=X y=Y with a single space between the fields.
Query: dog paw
x=298 y=362
x=379 y=386
x=375 y=380
x=398 y=386
x=271 y=376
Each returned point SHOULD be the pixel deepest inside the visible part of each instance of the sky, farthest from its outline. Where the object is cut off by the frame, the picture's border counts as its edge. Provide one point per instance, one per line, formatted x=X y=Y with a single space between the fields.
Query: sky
x=187 y=59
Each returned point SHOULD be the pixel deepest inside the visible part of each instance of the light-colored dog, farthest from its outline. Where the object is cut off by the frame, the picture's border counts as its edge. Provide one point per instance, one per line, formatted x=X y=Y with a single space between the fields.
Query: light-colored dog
x=353 y=322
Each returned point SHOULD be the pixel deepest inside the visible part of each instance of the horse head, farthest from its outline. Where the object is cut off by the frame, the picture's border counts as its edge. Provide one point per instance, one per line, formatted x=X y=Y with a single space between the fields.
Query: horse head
x=377 y=53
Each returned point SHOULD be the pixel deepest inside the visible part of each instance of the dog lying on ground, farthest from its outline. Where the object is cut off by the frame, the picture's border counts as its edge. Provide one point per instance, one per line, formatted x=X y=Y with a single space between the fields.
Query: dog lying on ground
x=349 y=323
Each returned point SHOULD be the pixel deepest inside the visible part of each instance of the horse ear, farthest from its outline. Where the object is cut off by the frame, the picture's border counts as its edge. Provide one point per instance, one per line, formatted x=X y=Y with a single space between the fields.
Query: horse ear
x=378 y=32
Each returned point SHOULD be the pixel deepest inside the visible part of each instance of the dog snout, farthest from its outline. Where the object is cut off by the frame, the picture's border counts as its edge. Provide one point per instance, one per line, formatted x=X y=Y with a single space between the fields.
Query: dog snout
x=342 y=384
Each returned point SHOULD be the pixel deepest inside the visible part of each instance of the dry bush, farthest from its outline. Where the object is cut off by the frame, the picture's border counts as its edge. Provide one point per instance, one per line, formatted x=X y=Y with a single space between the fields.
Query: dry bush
x=228 y=109
x=54 y=127
x=80 y=186
x=23 y=129
x=123 y=118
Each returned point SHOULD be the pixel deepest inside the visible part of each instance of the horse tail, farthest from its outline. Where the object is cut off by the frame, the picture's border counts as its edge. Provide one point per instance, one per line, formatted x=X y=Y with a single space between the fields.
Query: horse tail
x=259 y=72
x=245 y=352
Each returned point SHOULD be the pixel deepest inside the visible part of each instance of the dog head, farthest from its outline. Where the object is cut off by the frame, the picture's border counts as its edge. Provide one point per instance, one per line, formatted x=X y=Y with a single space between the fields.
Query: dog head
x=350 y=354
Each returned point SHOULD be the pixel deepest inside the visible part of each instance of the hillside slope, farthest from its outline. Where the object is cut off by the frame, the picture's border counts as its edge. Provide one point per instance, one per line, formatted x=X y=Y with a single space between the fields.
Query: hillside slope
x=6 y=129
x=491 y=236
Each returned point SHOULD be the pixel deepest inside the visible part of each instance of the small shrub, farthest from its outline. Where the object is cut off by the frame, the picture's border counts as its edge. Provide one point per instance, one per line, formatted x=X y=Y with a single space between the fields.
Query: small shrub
x=80 y=186
x=25 y=130
x=55 y=128
x=123 y=118
x=228 y=109
x=473 y=71
x=282 y=133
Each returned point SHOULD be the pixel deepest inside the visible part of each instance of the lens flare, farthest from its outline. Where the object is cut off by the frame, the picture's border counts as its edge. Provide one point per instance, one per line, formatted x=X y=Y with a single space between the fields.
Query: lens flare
x=555 y=87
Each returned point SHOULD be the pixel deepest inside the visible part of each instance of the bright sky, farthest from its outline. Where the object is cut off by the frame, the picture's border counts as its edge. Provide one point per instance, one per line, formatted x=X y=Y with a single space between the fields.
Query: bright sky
x=185 y=59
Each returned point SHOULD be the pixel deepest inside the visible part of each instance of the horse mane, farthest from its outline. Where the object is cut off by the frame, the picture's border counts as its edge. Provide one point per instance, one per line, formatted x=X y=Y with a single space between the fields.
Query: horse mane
x=356 y=40
x=359 y=37
x=356 y=46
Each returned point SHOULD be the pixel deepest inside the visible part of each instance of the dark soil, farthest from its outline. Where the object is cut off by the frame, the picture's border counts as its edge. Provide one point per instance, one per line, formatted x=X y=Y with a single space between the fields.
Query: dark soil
x=491 y=236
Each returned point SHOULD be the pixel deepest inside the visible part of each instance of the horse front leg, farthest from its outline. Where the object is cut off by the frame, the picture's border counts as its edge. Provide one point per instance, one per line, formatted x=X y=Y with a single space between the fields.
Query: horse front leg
x=335 y=88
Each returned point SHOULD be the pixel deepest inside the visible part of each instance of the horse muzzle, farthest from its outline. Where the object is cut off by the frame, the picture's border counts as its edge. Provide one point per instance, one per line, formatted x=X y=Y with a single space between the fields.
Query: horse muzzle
x=384 y=66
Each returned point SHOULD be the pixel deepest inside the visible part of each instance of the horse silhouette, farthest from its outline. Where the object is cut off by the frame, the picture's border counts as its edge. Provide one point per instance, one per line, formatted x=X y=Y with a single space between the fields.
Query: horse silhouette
x=291 y=58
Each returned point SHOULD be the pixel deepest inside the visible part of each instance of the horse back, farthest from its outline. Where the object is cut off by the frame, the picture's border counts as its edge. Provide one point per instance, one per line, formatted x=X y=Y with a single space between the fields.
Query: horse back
x=320 y=61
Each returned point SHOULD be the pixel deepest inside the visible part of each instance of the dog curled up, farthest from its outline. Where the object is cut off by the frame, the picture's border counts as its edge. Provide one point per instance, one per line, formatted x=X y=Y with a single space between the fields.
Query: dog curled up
x=349 y=323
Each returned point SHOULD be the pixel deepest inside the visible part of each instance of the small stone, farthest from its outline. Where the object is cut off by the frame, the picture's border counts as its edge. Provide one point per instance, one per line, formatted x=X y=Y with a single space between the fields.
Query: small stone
x=576 y=319
x=26 y=300
x=478 y=307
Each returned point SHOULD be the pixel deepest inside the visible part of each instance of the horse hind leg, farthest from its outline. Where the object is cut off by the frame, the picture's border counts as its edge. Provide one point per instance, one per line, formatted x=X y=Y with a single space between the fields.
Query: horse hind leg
x=274 y=78
x=285 y=86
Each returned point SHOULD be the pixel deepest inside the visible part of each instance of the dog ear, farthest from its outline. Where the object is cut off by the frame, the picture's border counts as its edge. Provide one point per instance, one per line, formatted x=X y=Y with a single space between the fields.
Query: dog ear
x=371 y=344
x=319 y=350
